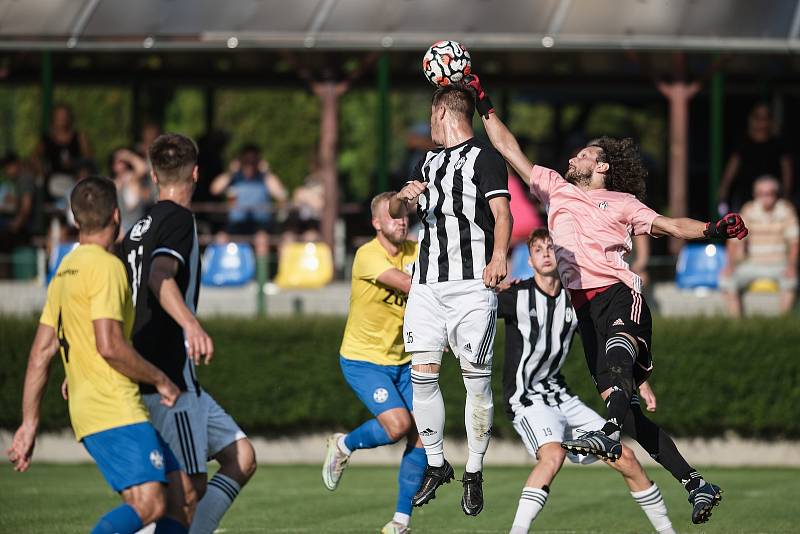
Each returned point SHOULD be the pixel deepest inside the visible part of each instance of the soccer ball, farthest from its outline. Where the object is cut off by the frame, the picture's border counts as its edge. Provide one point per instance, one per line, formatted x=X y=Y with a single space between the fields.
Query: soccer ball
x=446 y=62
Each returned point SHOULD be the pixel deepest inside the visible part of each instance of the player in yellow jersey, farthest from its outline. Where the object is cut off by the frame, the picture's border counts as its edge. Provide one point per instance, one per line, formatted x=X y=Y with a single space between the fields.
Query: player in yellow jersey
x=87 y=319
x=373 y=361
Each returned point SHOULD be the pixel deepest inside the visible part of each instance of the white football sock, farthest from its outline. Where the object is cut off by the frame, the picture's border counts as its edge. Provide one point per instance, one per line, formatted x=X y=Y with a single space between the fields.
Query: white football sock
x=655 y=508
x=531 y=503
x=220 y=494
x=429 y=414
x=403 y=519
x=478 y=412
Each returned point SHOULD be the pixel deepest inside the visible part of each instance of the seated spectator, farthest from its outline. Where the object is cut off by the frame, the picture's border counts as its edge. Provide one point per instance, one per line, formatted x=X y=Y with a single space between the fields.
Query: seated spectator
x=769 y=251
x=58 y=153
x=17 y=187
x=254 y=193
x=305 y=213
x=135 y=192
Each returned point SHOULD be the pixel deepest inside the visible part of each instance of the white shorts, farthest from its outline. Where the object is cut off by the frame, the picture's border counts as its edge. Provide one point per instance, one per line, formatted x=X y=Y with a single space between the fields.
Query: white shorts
x=539 y=424
x=195 y=428
x=462 y=314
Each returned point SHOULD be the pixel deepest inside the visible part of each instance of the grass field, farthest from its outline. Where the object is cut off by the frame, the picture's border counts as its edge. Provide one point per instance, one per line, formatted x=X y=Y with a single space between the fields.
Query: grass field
x=286 y=499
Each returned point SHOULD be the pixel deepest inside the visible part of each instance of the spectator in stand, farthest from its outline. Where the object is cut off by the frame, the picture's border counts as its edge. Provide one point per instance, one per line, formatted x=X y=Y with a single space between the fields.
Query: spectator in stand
x=305 y=212
x=148 y=133
x=769 y=252
x=255 y=194
x=135 y=191
x=760 y=153
x=17 y=188
x=58 y=153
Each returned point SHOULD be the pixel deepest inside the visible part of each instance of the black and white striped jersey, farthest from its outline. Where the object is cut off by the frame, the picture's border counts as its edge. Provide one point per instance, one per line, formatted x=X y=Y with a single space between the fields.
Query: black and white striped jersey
x=457 y=235
x=166 y=229
x=539 y=332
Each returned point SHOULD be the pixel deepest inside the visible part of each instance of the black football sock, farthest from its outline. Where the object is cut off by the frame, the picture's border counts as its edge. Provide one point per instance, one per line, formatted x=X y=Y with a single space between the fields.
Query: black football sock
x=660 y=447
x=620 y=355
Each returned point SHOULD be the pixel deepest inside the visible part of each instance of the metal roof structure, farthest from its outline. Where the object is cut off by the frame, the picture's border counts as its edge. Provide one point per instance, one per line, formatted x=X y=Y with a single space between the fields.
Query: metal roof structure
x=725 y=25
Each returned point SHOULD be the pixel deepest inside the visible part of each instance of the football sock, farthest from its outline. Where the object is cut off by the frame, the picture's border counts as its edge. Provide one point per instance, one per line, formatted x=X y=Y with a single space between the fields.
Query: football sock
x=167 y=525
x=403 y=519
x=620 y=355
x=530 y=504
x=659 y=446
x=478 y=413
x=409 y=478
x=121 y=520
x=221 y=492
x=655 y=509
x=429 y=414
x=368 y=436
x=693 y=482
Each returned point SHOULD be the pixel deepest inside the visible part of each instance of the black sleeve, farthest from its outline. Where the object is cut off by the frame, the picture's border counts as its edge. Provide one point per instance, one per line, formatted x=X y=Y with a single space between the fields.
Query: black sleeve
x=507 y=303
x=175 y=236
x=416 y=174
x=491 y=174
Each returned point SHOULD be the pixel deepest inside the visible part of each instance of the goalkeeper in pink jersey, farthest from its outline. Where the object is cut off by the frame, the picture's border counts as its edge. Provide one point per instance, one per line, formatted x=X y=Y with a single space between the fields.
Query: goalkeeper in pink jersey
x=593 y=212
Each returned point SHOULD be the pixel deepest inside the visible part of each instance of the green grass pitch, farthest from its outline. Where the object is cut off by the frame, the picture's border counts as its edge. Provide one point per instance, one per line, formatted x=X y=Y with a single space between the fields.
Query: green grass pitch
x=287 y=499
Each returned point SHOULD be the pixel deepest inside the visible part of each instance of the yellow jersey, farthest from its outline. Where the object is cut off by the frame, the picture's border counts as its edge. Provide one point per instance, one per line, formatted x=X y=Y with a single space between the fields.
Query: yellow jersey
x=374 y=330
x=92 y=284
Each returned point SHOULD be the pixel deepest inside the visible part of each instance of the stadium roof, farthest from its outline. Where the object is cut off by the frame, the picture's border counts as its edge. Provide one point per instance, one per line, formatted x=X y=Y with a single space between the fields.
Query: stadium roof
x=740 y=25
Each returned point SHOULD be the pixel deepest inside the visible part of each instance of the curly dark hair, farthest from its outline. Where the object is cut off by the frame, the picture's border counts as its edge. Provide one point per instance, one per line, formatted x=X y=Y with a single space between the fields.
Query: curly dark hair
x=626 y=171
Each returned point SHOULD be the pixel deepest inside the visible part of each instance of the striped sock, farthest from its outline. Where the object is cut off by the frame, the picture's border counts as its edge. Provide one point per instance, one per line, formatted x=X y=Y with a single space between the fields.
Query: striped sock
x=531 y=503
x=693 y=482
x=220 y=494
x=655 y=508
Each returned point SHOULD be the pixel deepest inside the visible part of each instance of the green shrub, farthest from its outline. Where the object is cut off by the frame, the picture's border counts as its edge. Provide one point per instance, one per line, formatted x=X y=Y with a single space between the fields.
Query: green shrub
x=281 y=376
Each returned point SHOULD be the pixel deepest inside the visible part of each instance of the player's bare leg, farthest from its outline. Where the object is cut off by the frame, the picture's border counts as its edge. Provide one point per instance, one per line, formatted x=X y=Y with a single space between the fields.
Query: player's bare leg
x=148 y=500
x=537 y=487
x=181 y=498
x=237 y=465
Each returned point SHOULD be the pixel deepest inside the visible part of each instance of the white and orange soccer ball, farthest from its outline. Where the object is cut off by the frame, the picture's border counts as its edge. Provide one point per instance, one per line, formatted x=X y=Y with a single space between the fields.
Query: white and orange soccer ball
x=446 y=62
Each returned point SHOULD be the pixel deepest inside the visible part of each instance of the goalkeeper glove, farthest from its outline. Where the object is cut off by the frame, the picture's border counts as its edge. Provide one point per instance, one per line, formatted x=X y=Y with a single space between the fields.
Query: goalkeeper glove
x=482 y=101
x=728 y=227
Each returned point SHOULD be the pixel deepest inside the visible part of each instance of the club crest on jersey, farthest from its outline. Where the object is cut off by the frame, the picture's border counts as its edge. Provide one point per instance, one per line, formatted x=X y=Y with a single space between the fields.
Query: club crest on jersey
x=157 y=459
x=603 y=205
x=380 y=395
x=140 y=228
x=461 y=161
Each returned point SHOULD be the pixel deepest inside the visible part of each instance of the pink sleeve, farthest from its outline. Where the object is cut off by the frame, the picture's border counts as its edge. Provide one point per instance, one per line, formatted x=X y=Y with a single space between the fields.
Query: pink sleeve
x=542 y=182
x=640 y=217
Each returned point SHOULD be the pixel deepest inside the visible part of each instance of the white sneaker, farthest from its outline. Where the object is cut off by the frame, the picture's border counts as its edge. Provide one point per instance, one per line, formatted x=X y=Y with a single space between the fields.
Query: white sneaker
x=393 y=527
x=335 y=462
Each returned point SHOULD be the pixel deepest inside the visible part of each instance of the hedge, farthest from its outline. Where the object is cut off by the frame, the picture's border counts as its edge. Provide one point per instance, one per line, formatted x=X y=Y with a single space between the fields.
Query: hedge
x=281 y=376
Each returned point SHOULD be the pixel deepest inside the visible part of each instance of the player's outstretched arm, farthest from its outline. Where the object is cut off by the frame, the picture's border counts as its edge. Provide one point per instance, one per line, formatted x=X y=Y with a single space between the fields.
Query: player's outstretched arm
x=44 y=347
x=120 y=354
x=729 y=227
x=163 y=285
x=402 y=203
x=500 y=136
x=396 y=279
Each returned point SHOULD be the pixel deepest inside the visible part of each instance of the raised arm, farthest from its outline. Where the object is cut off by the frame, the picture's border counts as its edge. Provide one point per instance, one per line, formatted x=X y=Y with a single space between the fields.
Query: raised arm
x=44 y=347
x=500 y=136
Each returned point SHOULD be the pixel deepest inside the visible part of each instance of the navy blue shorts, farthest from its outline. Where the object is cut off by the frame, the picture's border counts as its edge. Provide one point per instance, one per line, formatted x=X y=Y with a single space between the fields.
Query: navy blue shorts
x=131 y=455
x=379 y=387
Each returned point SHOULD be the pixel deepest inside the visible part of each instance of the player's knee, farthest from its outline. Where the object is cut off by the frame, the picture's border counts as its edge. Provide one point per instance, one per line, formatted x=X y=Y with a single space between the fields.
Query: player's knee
x=398 y=426
x=150 y=502
x=238 y=461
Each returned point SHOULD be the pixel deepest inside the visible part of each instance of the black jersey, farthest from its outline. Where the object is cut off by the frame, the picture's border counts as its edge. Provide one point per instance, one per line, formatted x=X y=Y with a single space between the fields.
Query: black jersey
x=457 y=237
x=539 y=331
x=166 y=229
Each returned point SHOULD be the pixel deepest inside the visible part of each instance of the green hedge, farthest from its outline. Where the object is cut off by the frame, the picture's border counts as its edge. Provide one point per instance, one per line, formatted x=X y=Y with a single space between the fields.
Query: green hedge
x=281 y=376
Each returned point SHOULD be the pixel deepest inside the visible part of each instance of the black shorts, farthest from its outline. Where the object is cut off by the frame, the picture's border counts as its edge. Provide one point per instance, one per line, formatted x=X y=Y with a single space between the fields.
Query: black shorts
x=616 y=310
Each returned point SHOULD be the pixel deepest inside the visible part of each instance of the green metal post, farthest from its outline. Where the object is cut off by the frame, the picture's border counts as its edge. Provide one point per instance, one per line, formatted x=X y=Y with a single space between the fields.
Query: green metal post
x=262 y=278
x=47 y=89
x=715 y=165
x=383 y=123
